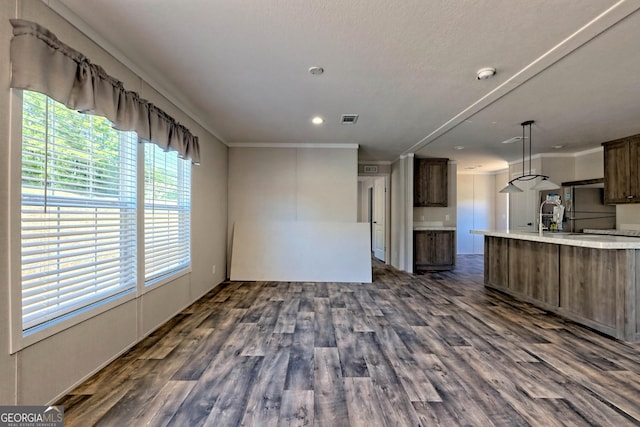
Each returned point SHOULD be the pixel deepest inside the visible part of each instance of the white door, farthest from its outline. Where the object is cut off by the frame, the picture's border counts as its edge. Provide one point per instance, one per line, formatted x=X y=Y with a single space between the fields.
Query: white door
x=378 y=218
x=523 y=207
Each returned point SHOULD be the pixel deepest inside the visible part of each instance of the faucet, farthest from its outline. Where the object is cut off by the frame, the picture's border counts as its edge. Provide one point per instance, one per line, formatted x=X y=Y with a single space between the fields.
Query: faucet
x=551 y=200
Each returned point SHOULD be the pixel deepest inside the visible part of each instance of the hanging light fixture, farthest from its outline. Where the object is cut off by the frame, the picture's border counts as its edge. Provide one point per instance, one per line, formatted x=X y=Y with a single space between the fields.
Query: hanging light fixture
x=544 y=184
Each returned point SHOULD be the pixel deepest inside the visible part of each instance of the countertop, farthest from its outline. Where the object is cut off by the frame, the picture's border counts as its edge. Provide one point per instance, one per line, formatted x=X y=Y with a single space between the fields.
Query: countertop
x=433 y=227
x=629 y=233
x=597 y=241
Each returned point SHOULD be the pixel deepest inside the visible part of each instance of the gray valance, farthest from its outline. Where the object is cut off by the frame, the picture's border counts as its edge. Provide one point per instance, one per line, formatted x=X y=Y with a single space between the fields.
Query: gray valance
x=42 y=63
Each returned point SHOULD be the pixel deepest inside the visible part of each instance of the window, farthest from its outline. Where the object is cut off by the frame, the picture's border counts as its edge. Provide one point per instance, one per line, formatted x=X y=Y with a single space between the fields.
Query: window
x=167 y=206
x=79 y=213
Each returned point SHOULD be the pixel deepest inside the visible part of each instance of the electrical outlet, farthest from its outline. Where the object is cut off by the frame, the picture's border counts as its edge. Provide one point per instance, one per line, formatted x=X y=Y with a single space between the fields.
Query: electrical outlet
x=213 y=269
x=447 y=217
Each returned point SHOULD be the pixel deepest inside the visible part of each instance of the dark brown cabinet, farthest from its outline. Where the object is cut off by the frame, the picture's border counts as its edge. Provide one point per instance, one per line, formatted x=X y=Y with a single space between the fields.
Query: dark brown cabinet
x=430 y=186
x=433 y=250
x=622 y=170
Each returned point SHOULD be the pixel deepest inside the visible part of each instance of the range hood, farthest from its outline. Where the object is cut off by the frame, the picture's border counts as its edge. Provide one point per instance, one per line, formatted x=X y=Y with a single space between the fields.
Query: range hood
x=593 y=183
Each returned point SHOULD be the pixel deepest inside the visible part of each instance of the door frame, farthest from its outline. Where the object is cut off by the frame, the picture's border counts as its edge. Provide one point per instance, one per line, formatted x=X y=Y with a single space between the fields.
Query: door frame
x=369 y=178
x=379 y=208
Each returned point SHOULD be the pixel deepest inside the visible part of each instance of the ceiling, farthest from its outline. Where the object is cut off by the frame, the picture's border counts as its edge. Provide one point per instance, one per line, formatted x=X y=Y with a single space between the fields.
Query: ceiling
x=408 y=68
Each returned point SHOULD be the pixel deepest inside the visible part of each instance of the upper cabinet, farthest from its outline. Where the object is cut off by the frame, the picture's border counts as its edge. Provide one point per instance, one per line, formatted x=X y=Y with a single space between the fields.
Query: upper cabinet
x=622 y=170
x=430 y=186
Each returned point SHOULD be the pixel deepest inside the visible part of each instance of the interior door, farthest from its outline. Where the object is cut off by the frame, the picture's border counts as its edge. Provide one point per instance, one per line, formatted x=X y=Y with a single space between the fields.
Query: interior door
x=523 y=207
x=379 y=218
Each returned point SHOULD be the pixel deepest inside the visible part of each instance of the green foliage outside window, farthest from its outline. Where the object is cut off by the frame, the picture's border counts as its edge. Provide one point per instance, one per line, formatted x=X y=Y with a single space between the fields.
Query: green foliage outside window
x=94 y=172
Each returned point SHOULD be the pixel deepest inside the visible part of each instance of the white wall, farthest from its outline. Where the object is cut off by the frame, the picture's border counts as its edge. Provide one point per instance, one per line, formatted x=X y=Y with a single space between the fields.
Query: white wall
x=628 y=217
x=402 y=213
x=476 y=201
x=300 y=251
x=501 y=204
x=42 y=372
x=292 y=184
x=397 y=213
x=589 y=165
x=559 y=168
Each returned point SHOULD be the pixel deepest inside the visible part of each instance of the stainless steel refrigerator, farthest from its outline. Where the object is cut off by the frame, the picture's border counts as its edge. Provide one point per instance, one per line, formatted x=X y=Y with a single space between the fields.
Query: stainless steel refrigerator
x=584 y=208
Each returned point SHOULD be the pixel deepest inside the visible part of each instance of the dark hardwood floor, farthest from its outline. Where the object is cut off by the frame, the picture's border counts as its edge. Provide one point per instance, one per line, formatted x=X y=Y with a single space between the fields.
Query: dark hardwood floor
x=436 y=349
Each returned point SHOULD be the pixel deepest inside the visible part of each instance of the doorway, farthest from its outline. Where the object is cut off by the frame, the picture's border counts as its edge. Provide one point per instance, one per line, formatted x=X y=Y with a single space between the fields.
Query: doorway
x=373 y=208
x=523 y=207
x=370 y=215
x=378 y=220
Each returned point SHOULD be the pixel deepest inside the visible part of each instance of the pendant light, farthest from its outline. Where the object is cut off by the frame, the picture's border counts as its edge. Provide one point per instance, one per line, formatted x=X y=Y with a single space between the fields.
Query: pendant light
x=544 y=184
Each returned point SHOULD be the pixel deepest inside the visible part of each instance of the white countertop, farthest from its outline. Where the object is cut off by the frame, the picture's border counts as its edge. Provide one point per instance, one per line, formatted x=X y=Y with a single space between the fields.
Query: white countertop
x=597 y=241
x=629 y=233
x=433 y=227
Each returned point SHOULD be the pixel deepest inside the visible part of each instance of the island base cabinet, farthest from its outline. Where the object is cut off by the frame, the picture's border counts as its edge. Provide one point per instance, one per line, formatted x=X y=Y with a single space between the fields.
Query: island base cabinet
x=533 y=271
x=496 y=262
x=589 y=283
x=598 y=288
x=529 y=270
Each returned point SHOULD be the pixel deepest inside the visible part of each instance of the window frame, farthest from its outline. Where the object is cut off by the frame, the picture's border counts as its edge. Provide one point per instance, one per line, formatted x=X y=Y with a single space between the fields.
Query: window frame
x=18 y=340
x=147 y=285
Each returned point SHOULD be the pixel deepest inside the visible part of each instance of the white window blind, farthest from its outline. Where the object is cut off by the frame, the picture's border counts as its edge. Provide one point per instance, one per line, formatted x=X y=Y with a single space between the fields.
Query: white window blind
x=78 y=229
x=167 y=218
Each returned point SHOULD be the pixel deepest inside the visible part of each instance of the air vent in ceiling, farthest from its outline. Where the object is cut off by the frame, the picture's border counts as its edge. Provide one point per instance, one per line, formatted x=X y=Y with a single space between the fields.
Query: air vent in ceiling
x=349 y=119
x=370 y=169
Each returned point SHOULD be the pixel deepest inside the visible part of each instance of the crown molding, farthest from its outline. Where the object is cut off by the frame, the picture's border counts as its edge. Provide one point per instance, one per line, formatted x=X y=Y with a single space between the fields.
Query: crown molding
x=599 y=149
x=289 y=145
x=470 y=172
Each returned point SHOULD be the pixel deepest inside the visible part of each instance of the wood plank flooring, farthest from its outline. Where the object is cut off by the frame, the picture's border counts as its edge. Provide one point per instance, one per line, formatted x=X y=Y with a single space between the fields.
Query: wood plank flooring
x=432 y=350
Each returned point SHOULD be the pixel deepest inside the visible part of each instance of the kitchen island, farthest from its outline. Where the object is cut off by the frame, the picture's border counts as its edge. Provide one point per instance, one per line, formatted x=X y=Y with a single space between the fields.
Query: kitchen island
x=591 y=279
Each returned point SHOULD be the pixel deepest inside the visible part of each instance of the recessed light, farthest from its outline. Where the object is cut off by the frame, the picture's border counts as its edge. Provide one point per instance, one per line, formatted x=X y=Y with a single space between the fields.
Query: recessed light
x=316 y=71
x=317 y=120
x=557 y=147
x=458 y=147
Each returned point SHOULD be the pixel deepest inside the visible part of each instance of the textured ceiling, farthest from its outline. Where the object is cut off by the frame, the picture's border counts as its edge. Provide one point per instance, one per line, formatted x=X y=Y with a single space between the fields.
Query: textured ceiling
x=407 y=68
